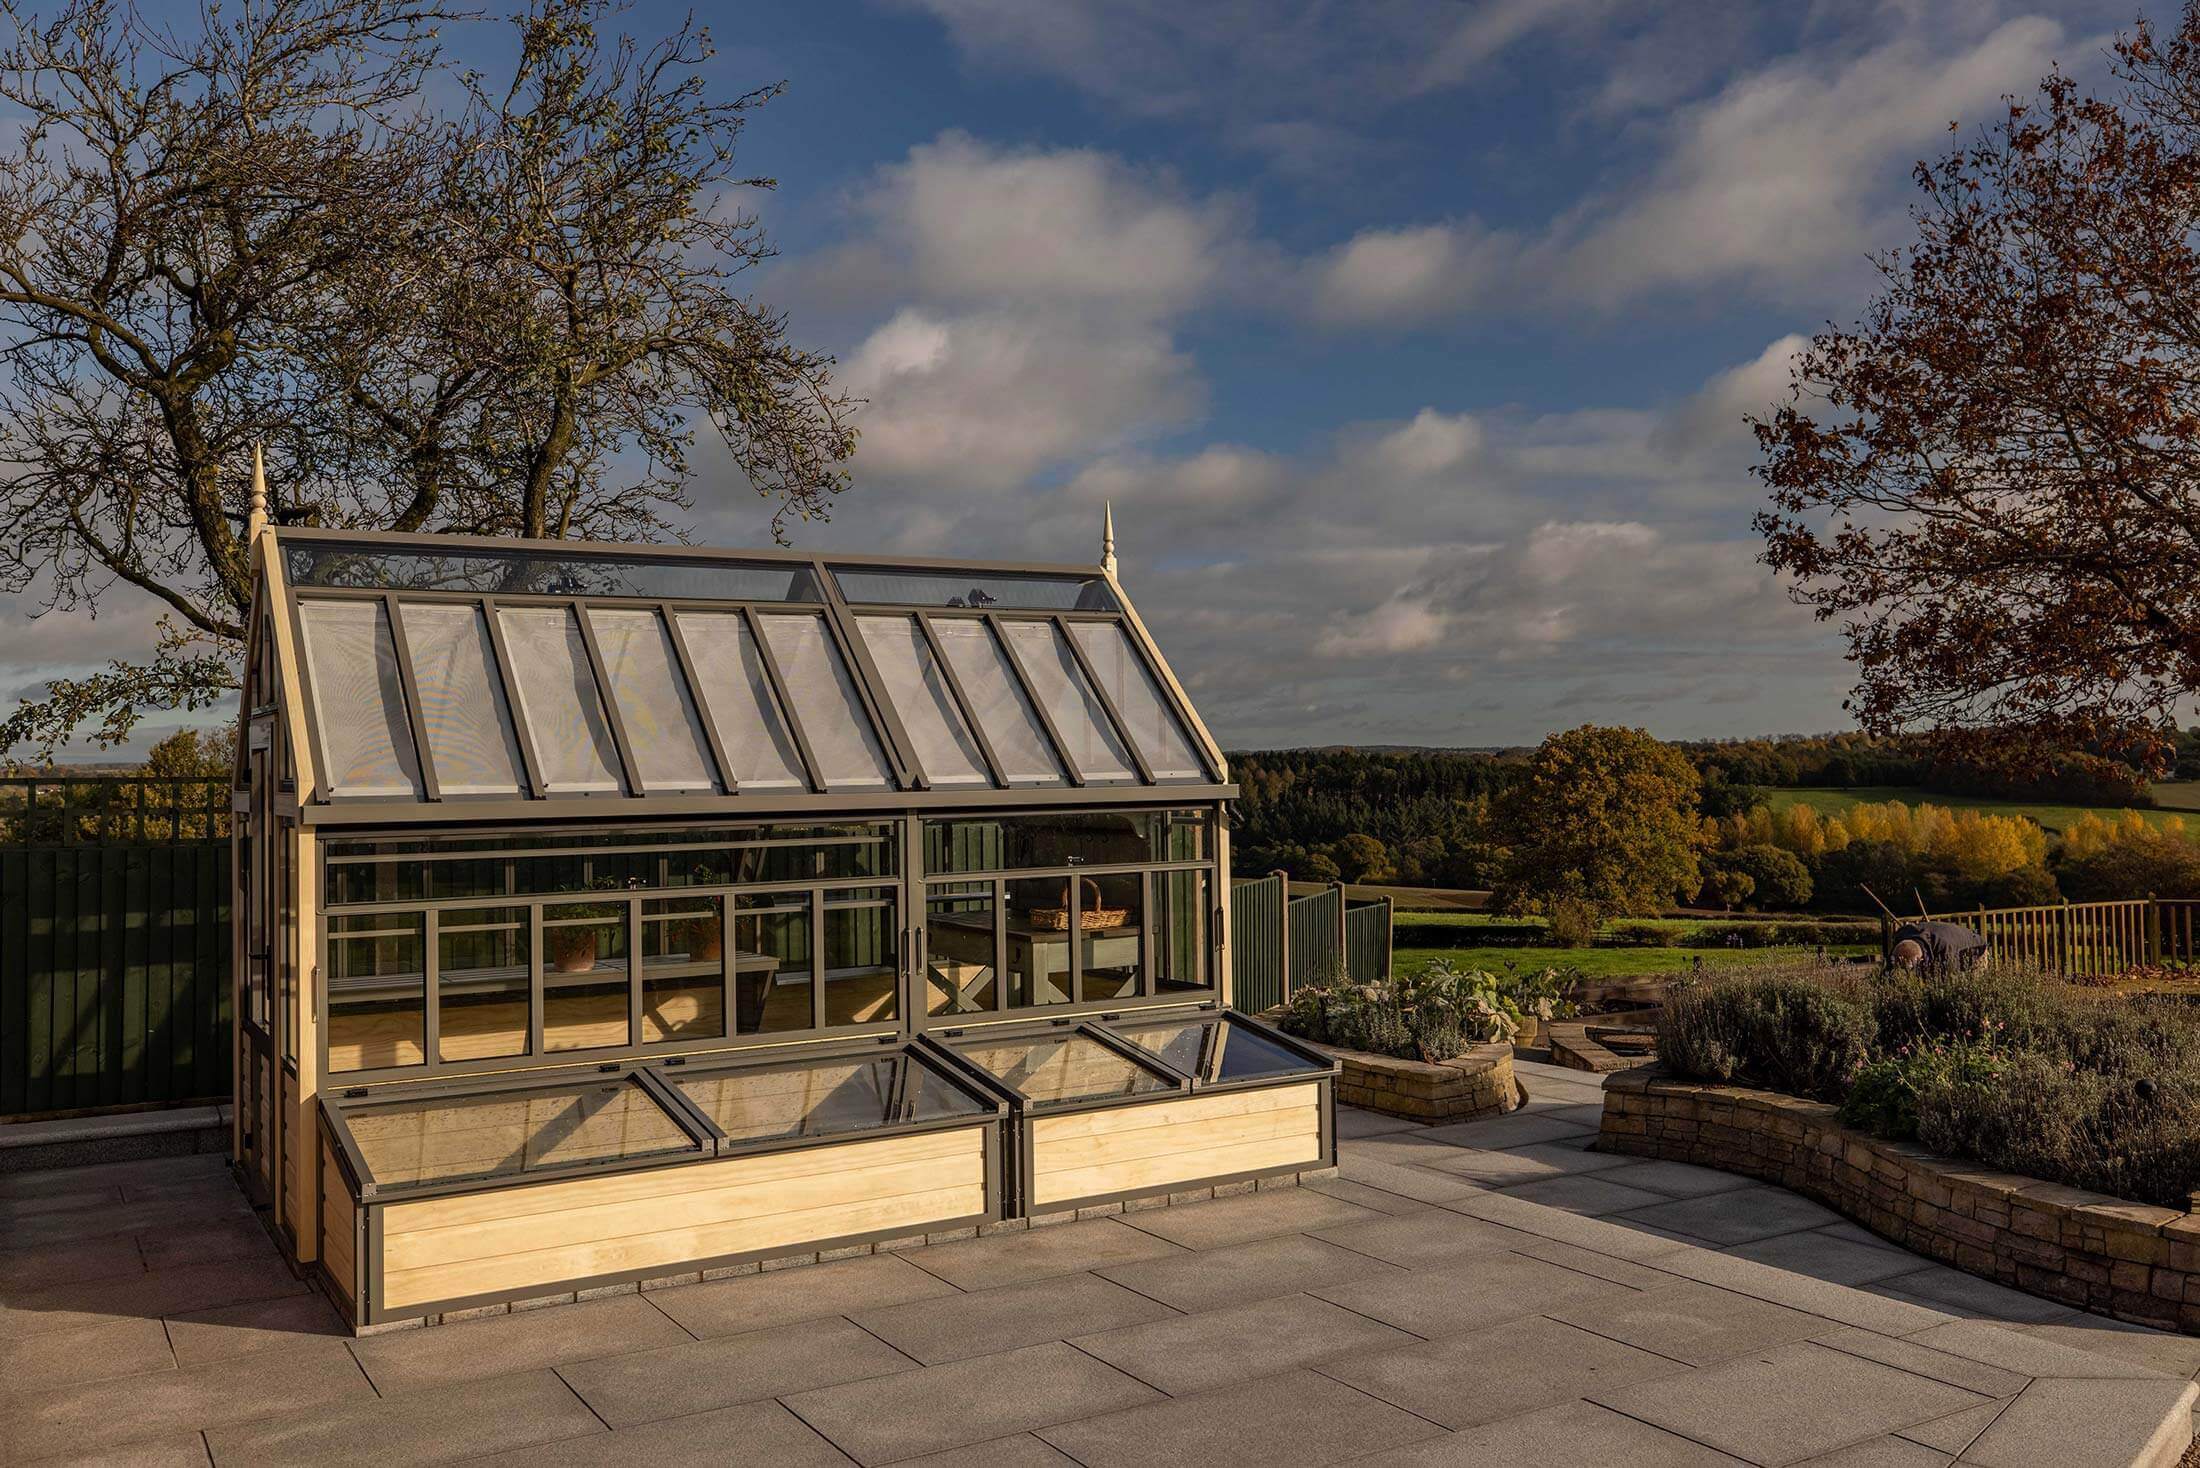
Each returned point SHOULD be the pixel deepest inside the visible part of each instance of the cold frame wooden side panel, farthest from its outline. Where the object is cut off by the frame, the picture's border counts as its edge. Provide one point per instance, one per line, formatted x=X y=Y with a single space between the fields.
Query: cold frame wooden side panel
x=530 y=1240
x=1145 y=1149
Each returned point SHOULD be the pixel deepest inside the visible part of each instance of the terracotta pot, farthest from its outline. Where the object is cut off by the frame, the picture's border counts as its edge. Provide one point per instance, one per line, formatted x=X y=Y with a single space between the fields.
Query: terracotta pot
x=705 y=940
x=573 y=950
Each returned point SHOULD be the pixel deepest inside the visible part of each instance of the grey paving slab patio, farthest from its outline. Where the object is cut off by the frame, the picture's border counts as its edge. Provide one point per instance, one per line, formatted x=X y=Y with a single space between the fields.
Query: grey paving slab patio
x=1474 y=1294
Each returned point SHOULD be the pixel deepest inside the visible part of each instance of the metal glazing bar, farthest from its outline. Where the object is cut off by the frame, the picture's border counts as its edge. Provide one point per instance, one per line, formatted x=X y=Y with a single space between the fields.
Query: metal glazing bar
x=778 y=682
x=962 y=699
x=870 y=688
x=609 y=699
x=1038 y=705
x=817 y=960
x=1107 y=702
x=410 y=687
x=512 y=706
x=718 y=754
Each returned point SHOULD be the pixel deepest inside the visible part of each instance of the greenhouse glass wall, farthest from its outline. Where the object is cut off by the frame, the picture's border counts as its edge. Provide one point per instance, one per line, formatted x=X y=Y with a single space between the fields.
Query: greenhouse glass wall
x=610 y=913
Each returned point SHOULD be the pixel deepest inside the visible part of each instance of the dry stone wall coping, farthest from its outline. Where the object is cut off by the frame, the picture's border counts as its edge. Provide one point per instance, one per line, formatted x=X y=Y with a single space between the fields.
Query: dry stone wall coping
x=2132 y=1261
x=1478 y=1083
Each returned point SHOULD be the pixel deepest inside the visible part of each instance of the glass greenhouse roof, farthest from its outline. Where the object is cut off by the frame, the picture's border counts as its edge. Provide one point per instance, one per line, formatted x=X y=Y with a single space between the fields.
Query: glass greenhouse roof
x=440 y=671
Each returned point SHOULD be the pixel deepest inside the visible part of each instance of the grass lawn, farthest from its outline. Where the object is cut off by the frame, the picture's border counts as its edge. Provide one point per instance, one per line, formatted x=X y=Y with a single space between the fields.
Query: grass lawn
x=1685 y=924
x=1594 y=963
x=2174 y=794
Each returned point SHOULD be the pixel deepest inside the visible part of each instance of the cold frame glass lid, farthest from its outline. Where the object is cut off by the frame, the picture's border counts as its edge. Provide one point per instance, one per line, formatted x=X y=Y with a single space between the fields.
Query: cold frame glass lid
x=463 y=1138
x=1212 y=1047
x=825 y=1099
x=1059 y=1070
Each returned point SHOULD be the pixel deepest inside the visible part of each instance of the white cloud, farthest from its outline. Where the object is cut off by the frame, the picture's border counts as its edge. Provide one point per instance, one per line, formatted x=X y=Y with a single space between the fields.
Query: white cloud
x=1396 y=276
x=986 y=400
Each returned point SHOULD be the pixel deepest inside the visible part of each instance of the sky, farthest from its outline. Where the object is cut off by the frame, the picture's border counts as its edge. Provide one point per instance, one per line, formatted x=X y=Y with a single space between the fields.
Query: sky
x=1412 y=341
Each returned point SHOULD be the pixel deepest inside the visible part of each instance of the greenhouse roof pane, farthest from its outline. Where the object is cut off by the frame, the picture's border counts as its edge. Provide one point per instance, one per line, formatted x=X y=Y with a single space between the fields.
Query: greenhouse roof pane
x=358 y=699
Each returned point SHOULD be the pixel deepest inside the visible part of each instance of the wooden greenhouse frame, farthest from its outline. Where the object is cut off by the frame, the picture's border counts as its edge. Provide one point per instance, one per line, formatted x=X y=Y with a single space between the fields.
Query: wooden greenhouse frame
x=615 y=913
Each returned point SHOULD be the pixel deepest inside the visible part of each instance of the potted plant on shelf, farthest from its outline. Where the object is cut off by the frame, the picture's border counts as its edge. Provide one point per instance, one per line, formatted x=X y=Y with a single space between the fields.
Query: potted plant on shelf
x=573 y=949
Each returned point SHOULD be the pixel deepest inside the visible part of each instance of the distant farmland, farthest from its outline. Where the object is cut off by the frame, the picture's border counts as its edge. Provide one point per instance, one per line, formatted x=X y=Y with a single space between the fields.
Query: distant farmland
x=2176 y=798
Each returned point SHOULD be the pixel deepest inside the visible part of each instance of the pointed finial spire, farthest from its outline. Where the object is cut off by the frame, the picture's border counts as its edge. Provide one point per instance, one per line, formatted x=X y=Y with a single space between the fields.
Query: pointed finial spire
x=1107 y=537
x=257 y=520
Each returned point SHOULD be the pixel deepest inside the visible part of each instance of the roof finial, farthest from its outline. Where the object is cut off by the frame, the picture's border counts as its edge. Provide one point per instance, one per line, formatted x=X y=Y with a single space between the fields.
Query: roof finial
x=1107 y=537
x=257 y=520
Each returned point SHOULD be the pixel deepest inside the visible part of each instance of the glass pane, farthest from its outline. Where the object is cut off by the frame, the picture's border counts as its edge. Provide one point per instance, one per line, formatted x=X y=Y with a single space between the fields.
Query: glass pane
x=1110 y=915
x=358 y=699
x=960 y=962
x=584 y=975
x=447 y=1138
x=1075 y=710
x=538 y=573
x=461 y=699
x=683 y=969
x=732 y=684
x=919 y=693
x=975 y=588
x=823 y=1100
x=1234 y=1054
x=1065 y=838
x=997 y=701
x=1055 y=1070
x=377 y=991
x=1038 y=922
x=774 y=983
x=1183 y=943
x=670 y=752
x=862 y=965
x=482 y=987
x=825 y=701
x=558 y=699
x=1160 y=735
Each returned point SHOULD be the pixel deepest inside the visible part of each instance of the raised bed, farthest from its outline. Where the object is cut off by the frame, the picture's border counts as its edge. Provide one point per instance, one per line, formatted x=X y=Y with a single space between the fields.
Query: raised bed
x=1478 y=1083
x=2128 y=1260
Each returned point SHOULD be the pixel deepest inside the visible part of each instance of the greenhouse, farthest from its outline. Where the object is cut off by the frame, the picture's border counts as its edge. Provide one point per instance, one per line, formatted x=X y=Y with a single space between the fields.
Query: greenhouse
x=617 y=913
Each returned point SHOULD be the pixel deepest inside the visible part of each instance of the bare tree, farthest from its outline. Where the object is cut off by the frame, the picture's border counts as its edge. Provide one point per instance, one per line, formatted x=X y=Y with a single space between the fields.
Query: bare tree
x=511 y=320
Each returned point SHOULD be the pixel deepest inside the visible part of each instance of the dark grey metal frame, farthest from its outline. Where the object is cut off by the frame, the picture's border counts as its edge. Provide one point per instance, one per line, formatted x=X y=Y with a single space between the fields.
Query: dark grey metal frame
x=370 y=1201
x=1022 y=1113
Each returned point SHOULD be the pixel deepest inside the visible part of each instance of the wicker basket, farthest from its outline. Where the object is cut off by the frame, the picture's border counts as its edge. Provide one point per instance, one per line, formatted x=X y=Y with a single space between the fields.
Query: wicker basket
x=1091 y=917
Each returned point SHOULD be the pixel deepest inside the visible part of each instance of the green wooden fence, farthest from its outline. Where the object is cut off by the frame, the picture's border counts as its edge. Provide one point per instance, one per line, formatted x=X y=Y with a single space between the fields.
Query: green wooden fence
x=1278 y=943
x=114 y=945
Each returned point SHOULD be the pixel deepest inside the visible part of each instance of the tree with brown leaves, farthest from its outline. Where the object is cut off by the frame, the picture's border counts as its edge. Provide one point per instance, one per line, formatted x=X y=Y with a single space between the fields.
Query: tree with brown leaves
x=1992 y=482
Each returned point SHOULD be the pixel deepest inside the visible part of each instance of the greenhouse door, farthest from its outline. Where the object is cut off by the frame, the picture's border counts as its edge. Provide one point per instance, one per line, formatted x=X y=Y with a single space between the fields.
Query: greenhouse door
x=258 y=1087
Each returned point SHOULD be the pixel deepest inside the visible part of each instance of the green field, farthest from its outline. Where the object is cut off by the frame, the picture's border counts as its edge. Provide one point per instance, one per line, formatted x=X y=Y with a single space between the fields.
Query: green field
x=2176 y=797
x=1594 y=963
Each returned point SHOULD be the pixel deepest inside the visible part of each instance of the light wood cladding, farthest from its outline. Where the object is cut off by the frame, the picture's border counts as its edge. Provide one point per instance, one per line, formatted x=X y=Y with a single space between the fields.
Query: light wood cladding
x=338 y=1222
x=1144 y=1149
x=529 y=1240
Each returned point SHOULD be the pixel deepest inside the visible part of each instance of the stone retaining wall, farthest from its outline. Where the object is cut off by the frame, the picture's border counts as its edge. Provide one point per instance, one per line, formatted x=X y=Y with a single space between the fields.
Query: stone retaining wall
x=2107 y=1255
x=1478 y=1083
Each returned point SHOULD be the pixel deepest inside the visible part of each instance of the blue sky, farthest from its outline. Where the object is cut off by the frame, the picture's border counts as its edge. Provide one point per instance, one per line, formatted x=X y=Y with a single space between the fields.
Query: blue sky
x=1411 y=339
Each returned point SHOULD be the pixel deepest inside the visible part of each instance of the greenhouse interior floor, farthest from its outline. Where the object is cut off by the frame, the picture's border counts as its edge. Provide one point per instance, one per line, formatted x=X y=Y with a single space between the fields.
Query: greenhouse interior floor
x=1486 y=1293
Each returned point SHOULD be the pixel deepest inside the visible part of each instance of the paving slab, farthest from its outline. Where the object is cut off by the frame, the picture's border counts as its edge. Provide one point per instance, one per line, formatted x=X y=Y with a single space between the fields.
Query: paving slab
x=1971 y=1297
x=1213 y=1278
x=756 y=1301
x=1883 y=1313
x=1821 y=1256
x=1907 y=1355
x=1738 y=1217
x=1466 y=1380
x=982 y=1322
x=1422 y=1184
x=318 y=1374
x=256 y=1325
x=932 y=1408
x=171 y=1245
x=88 y=1353
x=1425 y=1237
x=68 y=1262
x=1888 y=1451
x=1676 y=1179
x=2089 y=1424
x=174 y=1450
x=1354 y=1121
x=1473 y=1294
x=1692 y=1322
x=1527 y=1164
x=1594 y=1196
x=761 y=1433
x=1616 y=1236
x=1953 y=1433
x=1574 y=1433
x=1249 y=1216
x=1021 y=1451
x=468 y=1420
x=1421 y=1148
x=1039 y=1253
x=1196 y=1353
x=1789 y=1404
x=642 y=1386
x=1365 y=1196
x=1283 y=1421
x=1514 y=1129
x=414 y=1360
x=2023 y=1353
x=2172 y=1355
x=146 y=1296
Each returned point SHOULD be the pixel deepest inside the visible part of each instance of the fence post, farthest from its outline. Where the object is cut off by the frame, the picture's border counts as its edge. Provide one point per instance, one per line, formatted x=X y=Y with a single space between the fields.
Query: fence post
x=1344 y=936
x=1283 y=935
x=2066 y=945
x=1390 y=925
x=2154 y=929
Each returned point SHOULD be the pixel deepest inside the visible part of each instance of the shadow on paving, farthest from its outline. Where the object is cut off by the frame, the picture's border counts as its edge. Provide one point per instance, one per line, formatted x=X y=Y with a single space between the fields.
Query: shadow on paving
x=1471 y=1294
